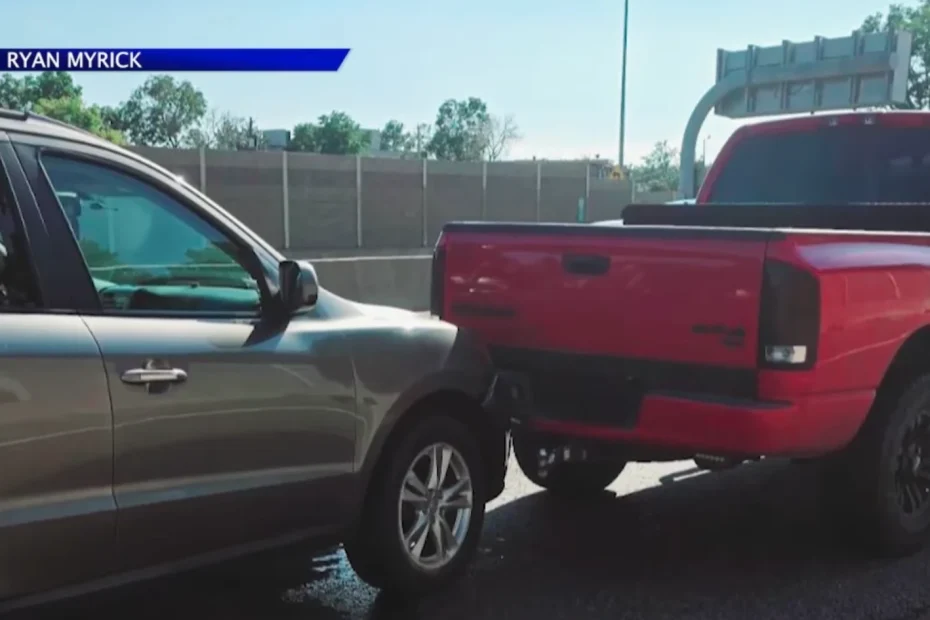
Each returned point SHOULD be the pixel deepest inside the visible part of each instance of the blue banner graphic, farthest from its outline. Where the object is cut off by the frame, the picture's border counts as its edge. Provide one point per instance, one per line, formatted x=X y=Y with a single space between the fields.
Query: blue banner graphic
x=172 y=60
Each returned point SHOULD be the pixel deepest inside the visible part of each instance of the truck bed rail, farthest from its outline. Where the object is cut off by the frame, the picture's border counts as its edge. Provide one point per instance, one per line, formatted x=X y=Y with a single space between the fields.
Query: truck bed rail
x=889 y=217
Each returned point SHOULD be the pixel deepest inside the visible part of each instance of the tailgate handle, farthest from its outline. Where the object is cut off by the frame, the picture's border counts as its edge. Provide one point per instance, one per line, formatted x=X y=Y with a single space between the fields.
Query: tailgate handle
x=586 y=264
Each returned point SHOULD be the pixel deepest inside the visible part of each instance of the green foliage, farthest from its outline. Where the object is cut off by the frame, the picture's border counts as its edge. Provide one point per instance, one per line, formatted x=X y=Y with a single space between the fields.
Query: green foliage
x=115 y=118
x=73 y=111
x=417 y=141
x=916 y=19
x=12 y=94
x=338 y=134
x=334 y=134
x=393 y=137
x=303 y=138
x=23 y=93
x=54 y=94
x=459 y=133
x=51 y=85
x=660 y=170
x=414 y=143
x=162 y=112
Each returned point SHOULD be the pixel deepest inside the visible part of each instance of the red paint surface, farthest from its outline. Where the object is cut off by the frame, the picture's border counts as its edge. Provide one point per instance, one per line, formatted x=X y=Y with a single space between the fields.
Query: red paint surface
x=875 y=294
x=804 y=124
x=636 y=310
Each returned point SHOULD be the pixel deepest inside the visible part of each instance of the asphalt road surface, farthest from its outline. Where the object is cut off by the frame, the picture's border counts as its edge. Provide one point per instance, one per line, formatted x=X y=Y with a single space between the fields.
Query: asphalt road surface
x=666 y=542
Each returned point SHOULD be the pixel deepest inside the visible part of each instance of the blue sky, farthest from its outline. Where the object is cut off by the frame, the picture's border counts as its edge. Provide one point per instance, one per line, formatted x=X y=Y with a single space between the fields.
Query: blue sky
x=554 y=65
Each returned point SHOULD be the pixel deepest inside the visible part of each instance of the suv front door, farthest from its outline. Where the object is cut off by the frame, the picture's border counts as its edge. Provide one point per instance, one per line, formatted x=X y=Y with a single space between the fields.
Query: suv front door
x=229 y=428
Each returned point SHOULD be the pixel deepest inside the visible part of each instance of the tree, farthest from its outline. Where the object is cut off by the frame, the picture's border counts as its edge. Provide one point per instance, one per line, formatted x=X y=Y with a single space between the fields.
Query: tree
x=334 y=134
x=162 y=111
x=12 y=92
x=417 y=141
x=499 y=135
x=114 y=118
x=223 y=131
x=413 y=143
x=659 y=170
x=24 y=93
x=54 y=94
x=917 y=20
x=72 y=110
x=459 y=131
x=51 y=85
x=393 y=137
x=303 y=138
x=338 y=134
x=235 y=133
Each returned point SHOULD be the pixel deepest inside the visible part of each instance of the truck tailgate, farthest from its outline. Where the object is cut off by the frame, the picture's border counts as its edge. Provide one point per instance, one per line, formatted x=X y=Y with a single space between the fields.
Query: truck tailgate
x=685 y=295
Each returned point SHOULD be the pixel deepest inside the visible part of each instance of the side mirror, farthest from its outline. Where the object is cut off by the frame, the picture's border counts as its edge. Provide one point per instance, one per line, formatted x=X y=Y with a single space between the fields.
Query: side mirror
x=299 y=285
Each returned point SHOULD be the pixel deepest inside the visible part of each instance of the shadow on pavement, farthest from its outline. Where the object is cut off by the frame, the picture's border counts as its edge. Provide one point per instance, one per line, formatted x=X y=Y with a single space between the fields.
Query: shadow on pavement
x=747 y=543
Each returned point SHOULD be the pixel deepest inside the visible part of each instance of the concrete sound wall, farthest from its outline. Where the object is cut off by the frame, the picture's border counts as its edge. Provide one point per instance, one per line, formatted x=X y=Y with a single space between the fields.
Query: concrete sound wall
x=311 y=202
x=401 y=281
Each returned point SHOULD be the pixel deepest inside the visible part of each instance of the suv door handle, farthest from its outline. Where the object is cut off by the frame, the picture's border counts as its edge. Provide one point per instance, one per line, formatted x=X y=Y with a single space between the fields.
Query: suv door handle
x=141 y=376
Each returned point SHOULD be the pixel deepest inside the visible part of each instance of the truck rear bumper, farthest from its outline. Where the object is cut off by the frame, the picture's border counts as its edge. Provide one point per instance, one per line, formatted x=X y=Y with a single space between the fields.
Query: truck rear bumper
x=810 y=426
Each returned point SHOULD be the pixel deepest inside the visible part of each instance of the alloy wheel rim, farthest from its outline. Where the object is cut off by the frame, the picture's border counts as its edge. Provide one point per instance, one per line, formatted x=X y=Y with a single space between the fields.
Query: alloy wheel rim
x=912 y=473
x=435 y=506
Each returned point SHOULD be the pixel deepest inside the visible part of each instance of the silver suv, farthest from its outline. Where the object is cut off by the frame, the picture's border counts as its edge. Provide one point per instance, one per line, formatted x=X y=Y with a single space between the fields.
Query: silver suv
x=173 y=391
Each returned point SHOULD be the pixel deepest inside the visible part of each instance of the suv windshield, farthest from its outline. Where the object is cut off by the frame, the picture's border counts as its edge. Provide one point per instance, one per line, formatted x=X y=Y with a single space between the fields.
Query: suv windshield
x=844 y=164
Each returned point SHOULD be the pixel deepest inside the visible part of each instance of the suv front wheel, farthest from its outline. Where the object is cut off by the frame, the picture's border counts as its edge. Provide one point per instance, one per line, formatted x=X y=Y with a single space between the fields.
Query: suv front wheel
x=423 y=517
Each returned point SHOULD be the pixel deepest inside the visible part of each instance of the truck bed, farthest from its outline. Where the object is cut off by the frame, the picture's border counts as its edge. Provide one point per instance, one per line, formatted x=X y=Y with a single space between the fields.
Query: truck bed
x=626 y=331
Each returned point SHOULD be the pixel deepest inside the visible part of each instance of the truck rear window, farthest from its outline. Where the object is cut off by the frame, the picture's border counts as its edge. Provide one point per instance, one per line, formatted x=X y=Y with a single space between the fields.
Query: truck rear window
x=836 y=165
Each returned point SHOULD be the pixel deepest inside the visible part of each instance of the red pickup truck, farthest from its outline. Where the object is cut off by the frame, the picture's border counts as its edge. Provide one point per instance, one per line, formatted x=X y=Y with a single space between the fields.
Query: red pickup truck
x=785 y=314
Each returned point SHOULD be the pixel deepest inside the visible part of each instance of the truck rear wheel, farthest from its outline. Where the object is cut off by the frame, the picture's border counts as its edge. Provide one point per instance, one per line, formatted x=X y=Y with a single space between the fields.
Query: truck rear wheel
x=889 y=463
x=568 y=479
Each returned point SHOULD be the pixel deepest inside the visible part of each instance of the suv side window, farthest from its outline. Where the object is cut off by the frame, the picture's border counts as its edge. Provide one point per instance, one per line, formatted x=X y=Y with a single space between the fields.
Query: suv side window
x=19 y=287
x=145 y=250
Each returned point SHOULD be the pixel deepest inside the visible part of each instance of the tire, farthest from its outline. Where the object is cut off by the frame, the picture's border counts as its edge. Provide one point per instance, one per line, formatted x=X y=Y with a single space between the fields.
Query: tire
x=377 y=552
x=878 y=483
x=572 y=480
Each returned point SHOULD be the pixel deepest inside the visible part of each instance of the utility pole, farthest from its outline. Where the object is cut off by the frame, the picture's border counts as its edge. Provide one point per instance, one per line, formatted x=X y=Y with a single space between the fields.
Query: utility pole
x=626 y=19
x=253 y=136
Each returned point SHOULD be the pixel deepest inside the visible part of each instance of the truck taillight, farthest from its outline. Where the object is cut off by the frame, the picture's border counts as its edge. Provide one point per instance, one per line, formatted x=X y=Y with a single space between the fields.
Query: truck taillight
x=789 y=318
x=436 y=293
